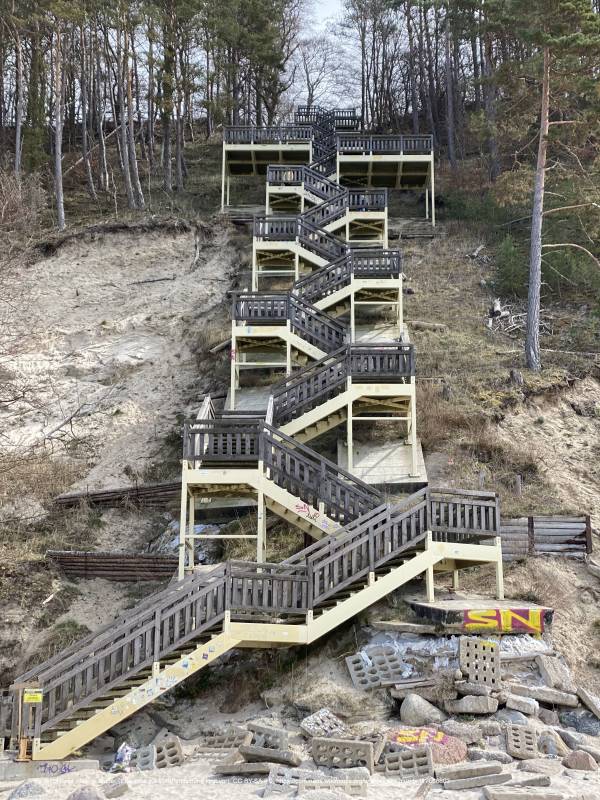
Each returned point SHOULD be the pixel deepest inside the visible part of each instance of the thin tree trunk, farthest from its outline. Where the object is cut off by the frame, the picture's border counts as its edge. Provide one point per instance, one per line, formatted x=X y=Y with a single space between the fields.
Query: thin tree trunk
x=58 y=130
x=121 y=68
x=450 y=132
x=18 y=103
x=532 y=340
x=490 y=109
x=100 y=106
x=413 y=69
x=85 y=151
x=150 y=150
x=133 y=167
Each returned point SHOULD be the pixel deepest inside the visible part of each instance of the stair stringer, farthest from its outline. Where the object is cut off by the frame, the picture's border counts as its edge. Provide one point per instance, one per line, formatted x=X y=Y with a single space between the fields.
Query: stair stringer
x=305 y=516
x=135 y=699
x=282 y=332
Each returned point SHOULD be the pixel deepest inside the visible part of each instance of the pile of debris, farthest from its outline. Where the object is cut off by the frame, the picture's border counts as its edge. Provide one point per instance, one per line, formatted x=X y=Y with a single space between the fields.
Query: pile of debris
x=511 y=319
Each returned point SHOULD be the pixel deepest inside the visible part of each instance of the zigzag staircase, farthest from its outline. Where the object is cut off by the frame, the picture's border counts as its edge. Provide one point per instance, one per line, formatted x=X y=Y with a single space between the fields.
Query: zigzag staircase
x=110 y=674
x=365 y=549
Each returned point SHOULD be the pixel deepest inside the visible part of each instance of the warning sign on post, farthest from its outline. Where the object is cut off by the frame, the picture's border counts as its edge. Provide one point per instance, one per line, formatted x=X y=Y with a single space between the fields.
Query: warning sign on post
x=32 y=695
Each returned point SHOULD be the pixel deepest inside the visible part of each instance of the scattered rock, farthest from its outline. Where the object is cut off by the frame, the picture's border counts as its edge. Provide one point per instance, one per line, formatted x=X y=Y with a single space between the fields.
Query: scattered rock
x=115 y=788
x=525 y=705
x=477 y=689
x=252 y=753
x=462 y=730
x=535 y=780
x=545 y=695
x=85 y=793
x=572 y=740
x=583 y=721
x=472 y=704
x=548 y=716
x=418 y=712
x=541 y=766
x=511 y=716
x=26 y=789
x=490 y=728
x=590 y=700
x=478 y=754
x=580 y=760
x=551 y=744
x=555 y=673
x=593 y=751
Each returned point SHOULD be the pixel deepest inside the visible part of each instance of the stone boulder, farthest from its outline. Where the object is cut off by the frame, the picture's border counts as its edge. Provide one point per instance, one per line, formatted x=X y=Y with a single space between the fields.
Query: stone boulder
x=583 y=721
x=26 y=789
x=85 y=793
x=580 y=760
x=418 y=712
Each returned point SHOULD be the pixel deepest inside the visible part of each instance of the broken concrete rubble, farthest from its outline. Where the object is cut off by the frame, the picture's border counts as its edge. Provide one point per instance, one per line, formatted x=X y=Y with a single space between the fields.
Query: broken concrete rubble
x=324 y=723
x=251 y=752
x=418 y=712
x=555 y=673
x=478 y=754
x=590 y=700
x=545 y=695
x=526 y=705
x=472 y=704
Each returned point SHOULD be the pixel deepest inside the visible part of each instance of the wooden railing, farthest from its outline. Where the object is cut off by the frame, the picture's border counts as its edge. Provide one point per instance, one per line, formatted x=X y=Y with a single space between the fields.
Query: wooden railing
x=324 y=379
x=360 y=143
x=314 y=326
x=357 y=263
x=251 y=134
x=196 y=606
x=455 y=513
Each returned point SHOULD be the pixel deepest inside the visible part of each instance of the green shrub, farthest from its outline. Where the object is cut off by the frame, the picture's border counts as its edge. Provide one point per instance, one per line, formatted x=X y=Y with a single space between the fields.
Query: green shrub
x=511 y=268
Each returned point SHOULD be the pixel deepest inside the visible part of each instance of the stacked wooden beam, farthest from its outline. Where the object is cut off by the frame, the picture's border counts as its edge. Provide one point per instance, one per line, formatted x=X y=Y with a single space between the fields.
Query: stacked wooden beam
x=564 y=536
x=114 y=566
x=157 y=494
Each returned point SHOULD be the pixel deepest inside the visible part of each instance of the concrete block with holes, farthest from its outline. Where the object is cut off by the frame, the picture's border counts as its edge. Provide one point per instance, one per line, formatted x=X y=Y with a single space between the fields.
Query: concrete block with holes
x=521 y=742
x=169 y=752
x=409 y=764
x=479 y=661
x=229 y=739
x=343 y=753
x=385 y=668
x=267 y=736
x=324 y=723
x=143 y=758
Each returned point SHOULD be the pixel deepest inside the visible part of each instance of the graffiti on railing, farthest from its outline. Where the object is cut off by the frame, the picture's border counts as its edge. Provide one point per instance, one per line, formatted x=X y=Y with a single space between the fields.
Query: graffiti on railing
x=312 y=514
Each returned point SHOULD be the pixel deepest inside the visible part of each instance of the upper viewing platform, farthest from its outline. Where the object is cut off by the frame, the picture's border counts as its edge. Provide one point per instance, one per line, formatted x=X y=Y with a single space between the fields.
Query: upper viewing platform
x=356 y=158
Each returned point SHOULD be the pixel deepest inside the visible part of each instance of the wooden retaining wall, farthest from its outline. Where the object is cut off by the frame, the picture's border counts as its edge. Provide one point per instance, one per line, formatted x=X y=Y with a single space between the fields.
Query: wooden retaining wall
x=114 y=566
x=570 y=537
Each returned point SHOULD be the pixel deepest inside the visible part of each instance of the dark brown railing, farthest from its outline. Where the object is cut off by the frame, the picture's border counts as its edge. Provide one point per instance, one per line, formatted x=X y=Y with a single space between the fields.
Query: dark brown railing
x=195 y=607
x=251 y=134
x=324 y=379
x=314 y=326
x=360 y=143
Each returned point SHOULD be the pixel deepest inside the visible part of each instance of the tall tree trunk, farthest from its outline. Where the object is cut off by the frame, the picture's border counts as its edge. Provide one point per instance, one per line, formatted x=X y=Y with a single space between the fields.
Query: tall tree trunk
x=100 y=106
x=167 y=92
x=490 y=109
x=133 y=167
x=83 y=84
x=58 y=129
x=413 y=69
x=532 y=339
x=123 y=137
x=450 y=128
x=150 y=99
x=18 y=102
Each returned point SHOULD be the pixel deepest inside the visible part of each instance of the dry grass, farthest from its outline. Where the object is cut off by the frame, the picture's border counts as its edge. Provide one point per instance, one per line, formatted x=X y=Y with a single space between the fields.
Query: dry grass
x=283 y=540
x=62 y=635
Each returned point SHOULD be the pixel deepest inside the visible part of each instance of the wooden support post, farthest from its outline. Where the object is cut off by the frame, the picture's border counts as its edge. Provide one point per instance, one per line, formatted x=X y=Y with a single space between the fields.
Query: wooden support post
x=261 y=524
x=191 y=524
x=385 y=230
x=267 y=203
x=233 y=356
x=352 y=314
x=254 y=266
x=413 y=433
x=589 y=546
x=350 y=438
x=182 y=523
x=455 y=581
x=400 y=308
x=228 y=187
x=223 y=172
x=296 y=265
x=427 y=200
x=432 y=195
x=429 y=576
x=530 y=537
x=499 y=571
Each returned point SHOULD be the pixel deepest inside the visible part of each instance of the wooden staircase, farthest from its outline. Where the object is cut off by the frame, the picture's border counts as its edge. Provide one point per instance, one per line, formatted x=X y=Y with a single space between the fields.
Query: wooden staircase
x=111 y=674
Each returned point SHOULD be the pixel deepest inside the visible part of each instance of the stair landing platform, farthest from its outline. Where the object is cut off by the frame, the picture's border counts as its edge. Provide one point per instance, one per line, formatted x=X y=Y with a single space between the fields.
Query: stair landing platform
x=386 y=464
x=479 y=614
x=251 y=398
